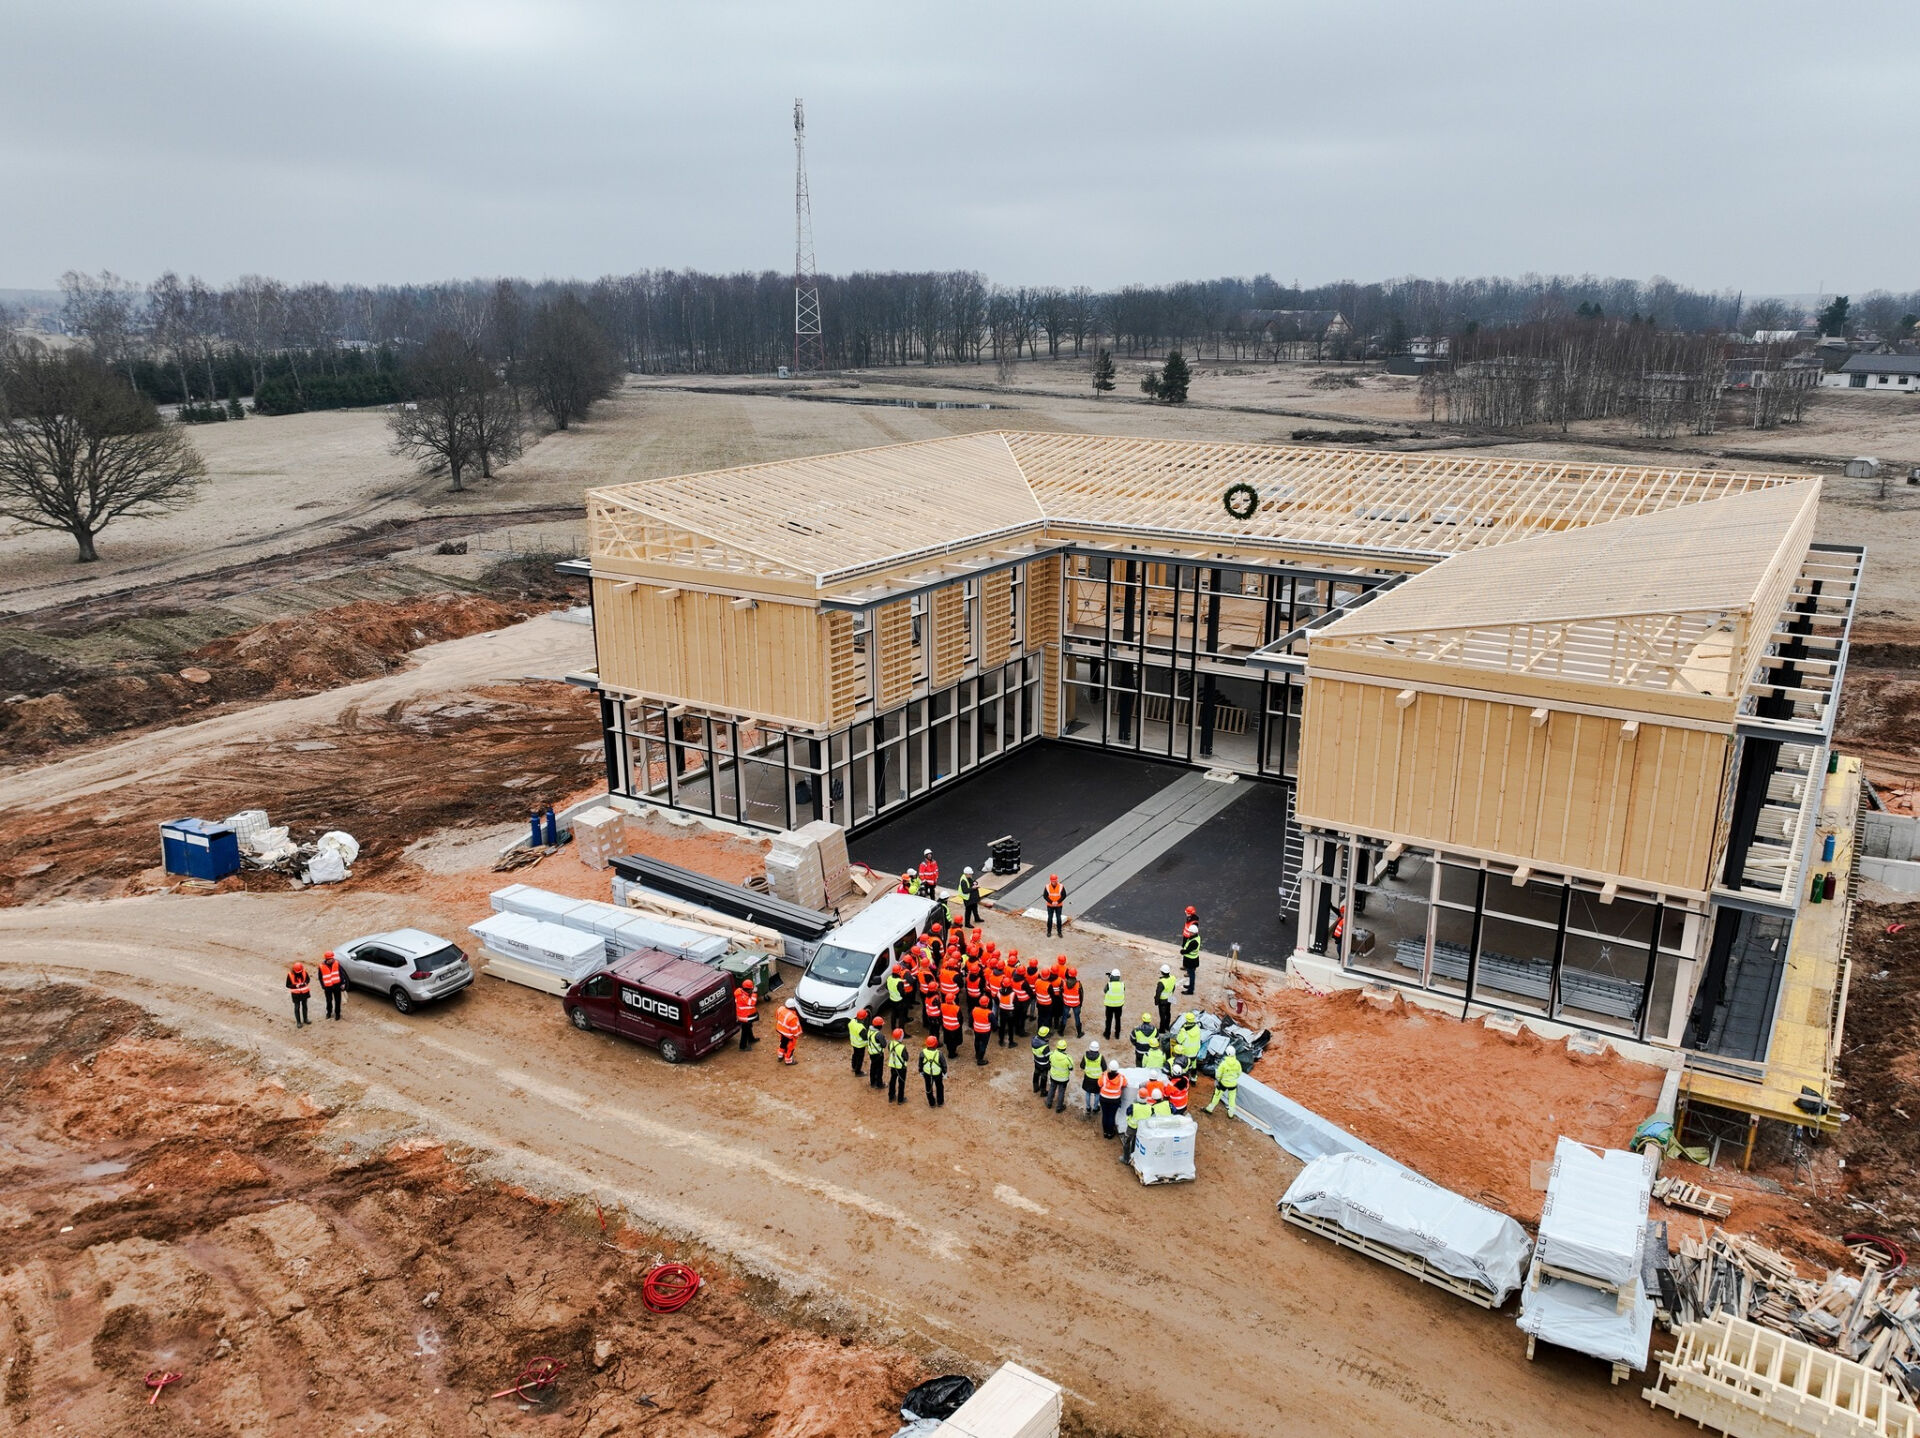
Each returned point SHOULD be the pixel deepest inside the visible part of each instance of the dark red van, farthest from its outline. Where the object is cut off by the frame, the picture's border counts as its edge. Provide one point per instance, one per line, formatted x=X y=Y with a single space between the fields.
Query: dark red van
x=682 y=1008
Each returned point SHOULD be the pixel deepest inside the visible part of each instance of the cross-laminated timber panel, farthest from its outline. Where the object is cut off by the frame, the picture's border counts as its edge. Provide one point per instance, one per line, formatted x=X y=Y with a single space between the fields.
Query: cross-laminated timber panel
x=996 y=619
x=893 y=653
x=948 y=615
x=767 y=659
x=1043 y=635
x=1601 y=796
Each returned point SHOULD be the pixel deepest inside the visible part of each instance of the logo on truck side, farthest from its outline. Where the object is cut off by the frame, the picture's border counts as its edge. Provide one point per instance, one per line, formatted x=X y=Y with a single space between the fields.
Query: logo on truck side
x=711 y=1002
x=666 y=1010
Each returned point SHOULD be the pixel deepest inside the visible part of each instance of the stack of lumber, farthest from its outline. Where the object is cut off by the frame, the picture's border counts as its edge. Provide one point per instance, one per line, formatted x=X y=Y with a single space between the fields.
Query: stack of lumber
x=1869 y=1320
x=1751 y=1382
x=686 y=915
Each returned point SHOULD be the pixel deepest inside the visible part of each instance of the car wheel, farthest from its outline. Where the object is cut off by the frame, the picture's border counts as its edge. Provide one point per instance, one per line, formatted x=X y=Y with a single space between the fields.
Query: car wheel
x=402 y=1000
x=578 y=1018
x=671 y=1051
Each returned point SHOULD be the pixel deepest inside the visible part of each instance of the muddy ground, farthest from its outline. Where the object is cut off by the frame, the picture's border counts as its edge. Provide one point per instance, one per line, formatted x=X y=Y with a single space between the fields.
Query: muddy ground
x=311 y=1268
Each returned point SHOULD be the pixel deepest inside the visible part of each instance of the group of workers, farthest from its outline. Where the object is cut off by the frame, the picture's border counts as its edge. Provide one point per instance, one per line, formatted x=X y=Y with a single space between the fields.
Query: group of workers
x=300 y=982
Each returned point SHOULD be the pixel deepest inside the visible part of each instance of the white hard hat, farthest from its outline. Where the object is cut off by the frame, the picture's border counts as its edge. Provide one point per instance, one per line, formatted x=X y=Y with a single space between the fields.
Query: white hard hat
x=793 y=1003
x=1166 y=968
x=1094 y=1047
x=926 y=853
x=1113 y=973
x=966 y=868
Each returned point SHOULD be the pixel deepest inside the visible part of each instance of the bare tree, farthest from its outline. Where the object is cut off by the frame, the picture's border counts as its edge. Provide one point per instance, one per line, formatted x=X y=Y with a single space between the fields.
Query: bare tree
x=570 y=364
x=497 y=423
x=79 y=447
x=437 y=428
x=168 y=324
x=103 y=310
x=254 y=311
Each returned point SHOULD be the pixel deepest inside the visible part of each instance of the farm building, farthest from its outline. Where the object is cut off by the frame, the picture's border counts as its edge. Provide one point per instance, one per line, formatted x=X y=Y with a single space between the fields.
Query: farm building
x=1557 y=734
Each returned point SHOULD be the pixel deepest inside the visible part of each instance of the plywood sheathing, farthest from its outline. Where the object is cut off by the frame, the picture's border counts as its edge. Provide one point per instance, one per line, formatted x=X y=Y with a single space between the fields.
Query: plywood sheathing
x=893 y=661
x=1043 y=635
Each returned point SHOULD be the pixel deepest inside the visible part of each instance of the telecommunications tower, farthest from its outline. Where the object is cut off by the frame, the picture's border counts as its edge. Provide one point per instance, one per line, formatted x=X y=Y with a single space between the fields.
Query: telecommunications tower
x=809 y=350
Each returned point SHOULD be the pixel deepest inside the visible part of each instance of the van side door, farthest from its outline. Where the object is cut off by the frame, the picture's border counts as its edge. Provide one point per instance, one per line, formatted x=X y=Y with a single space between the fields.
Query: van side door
x=597 y=1002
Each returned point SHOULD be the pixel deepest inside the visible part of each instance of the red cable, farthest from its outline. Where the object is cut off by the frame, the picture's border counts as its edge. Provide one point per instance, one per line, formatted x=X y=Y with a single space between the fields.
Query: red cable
x=669 y=1288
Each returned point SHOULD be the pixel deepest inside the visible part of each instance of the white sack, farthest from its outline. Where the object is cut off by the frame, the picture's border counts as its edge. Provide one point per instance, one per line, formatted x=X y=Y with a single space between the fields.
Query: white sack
x=342 y=843
x=326 y=867
x=1163 y=1149
x=1397 y=1207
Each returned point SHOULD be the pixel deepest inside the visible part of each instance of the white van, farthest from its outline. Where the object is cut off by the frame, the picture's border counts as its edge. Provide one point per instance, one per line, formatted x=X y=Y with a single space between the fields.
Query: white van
x=848 y=971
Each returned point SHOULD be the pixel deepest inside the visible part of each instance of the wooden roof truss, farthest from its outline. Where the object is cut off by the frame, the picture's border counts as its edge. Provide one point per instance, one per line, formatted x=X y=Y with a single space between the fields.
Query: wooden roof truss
x=1805 y=653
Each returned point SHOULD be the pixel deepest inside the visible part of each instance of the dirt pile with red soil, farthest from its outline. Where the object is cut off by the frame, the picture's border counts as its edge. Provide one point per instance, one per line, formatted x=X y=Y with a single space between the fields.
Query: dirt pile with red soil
x=1880 y=708
x=1467 y=1107
x=300 y=655
x=387 y=778
x=168 y=1209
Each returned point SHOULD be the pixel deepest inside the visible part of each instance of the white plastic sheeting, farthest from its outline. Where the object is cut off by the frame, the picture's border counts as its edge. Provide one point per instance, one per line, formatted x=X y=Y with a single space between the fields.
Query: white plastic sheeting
x=1588 y=1320
x=1300 y=1131
x=570 y=954
x=622 y=930
x=1163 y=1150
x=1594 y=1220
x=1395 y=1206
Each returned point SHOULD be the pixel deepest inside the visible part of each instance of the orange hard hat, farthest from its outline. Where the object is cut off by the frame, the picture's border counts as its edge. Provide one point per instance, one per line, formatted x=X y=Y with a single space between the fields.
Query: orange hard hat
x=1073 y=973
x=328 y=954
x=899 y=1033
x=866 y=1013
x=932 y=1042
x=746 y=983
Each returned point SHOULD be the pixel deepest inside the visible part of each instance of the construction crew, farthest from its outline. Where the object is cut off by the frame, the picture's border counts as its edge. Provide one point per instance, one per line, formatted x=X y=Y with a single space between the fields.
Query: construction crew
x=982 y=1031
x=1056 y=906
x=1039 y=1048
x=1091 y=1068
x=333 y=983
x=876 y=1052
x=300 y=986
x=1190 y=947
x=933 y=1069
x=788 y=1028
x=857 y=1041
x=1145 y=1037
x=1163 y=988
x=1226 y=1083
x=1187 y=1040
x=929 y=875
x=969 y=897
x=1115 y=1000
x=1113 y=1087
x=897 y=1067
x=1070 y=997
x=746 y=1008
x=1059 y=1073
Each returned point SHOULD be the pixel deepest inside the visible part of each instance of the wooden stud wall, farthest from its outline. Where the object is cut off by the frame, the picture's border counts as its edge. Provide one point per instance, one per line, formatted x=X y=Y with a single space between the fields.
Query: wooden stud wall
x=695 y=648
x=1043 y=636
x=996 y=619
x=843 y=668
x=1478 y=776
x=949 y=633
x=893 y=643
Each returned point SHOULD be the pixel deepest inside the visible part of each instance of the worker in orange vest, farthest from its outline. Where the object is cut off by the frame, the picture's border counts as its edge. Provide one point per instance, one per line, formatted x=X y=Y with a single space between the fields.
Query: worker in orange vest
x=788 y=1027
x=746 y=1008
x=950 y=1025
x=1056 y=906
x=1043 y=998
x=333 y=983
x=982 y=1031
x=1003 y=1012
x=1177 y=1086
x=300 y=986
x=1113 y=1088
x=1070 y=998
x=930 y=1002
x=1021 y=996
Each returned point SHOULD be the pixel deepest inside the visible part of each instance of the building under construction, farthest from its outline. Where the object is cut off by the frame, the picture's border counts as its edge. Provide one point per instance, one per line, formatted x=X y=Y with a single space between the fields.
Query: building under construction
x=1558 y=734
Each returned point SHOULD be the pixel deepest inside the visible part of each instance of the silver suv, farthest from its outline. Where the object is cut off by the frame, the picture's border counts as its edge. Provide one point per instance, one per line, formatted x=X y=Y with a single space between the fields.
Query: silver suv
x=409 y=966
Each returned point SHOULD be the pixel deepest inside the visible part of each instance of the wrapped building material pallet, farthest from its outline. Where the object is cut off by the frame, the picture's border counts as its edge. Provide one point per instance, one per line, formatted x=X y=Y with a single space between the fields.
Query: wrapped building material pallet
x=1163 y=1151
x=1752 y=1382
x=793 y=874
x=829 y=840
x=552 y=951
x=1589 y=1320
x=1593 y=1223
x=1015 y=1402
x=599 y=834
x=619 y=928
x=1300 y=1131
x=1437 y=1235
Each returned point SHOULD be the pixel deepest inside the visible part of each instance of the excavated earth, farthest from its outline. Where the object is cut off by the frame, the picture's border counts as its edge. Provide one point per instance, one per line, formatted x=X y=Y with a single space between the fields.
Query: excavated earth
x=310 y=1269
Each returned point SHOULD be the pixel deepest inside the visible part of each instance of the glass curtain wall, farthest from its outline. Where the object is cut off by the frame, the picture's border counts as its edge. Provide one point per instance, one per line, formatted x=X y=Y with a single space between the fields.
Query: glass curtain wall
x=1154 y=660
x=1543 y=948
x=770 y=778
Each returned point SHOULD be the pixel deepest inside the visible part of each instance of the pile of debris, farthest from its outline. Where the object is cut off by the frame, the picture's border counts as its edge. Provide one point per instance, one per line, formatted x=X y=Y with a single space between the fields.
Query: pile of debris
x=1867 y=1320
x=327 y=860
x=1221 y=1034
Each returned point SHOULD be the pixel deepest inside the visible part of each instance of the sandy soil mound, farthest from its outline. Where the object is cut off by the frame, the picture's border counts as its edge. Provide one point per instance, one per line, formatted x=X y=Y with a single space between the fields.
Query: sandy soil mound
x=305 y=1273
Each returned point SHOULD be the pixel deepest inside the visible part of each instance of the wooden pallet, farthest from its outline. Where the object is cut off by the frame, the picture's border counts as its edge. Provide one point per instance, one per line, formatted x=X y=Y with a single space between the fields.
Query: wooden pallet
x=1620 y=1370
x=1392 y=1257
x=1624 y=1294
x=1677 y=1193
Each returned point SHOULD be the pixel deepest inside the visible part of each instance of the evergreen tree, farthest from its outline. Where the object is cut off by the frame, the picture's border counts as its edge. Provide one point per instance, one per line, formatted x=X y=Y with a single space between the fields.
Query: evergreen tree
x=1174 y=378
x=1103 y=372
x=1833 y=319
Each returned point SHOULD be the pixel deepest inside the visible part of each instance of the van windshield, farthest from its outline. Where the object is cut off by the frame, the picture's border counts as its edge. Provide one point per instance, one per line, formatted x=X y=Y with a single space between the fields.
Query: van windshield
x=835 y=965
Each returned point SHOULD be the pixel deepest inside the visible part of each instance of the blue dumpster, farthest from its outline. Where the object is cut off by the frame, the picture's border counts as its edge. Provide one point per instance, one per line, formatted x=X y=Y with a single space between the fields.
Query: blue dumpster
x=199 y=849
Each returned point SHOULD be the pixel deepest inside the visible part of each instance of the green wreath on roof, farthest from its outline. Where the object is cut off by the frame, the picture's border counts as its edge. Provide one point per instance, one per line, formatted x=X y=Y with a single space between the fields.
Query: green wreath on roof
x=1248 y=500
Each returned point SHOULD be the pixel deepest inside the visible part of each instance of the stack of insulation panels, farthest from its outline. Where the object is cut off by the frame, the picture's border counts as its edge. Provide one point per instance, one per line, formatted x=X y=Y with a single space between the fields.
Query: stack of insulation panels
x=1015 y=1402
x=1584 y=1290
x=620 y=930
x=549 y=957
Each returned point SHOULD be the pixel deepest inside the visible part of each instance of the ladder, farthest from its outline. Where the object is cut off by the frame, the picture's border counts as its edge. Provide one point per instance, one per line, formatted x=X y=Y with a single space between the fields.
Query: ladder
x=1293 y=854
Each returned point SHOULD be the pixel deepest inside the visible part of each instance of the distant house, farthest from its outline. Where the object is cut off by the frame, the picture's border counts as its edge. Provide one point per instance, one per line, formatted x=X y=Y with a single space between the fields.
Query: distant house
x=1429 y=346
x=1877 y=374
x=1292 y=334
x=1775 y=337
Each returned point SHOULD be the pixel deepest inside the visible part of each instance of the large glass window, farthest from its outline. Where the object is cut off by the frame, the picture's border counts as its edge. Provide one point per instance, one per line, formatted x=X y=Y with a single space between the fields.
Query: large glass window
x=1392 y=904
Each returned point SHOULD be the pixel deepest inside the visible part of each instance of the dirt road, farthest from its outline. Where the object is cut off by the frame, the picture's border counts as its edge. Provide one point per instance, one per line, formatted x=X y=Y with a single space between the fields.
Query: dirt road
x=991 y=1228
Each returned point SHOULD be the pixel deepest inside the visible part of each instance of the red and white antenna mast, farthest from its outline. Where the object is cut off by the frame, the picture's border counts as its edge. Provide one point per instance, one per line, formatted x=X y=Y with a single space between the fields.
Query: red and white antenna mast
x=809 y=350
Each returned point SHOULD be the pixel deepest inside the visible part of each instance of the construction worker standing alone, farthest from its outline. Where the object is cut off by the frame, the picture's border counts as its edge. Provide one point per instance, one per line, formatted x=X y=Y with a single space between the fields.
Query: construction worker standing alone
x=299 y=986
x=897 y=1067
x=857 y=1040
x=746 y=1008
x=1226 y=1083
x=933 y=1068
x=1115 y=1000
x=333 y=983
x=969 y=897
x=1056 y=906
x=1163 y=988
x=788 y=1027
x=1190 y=948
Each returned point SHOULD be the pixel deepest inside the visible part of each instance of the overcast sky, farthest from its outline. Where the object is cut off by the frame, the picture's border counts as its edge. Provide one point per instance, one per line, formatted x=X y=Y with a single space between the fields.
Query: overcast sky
x=1769 y=147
